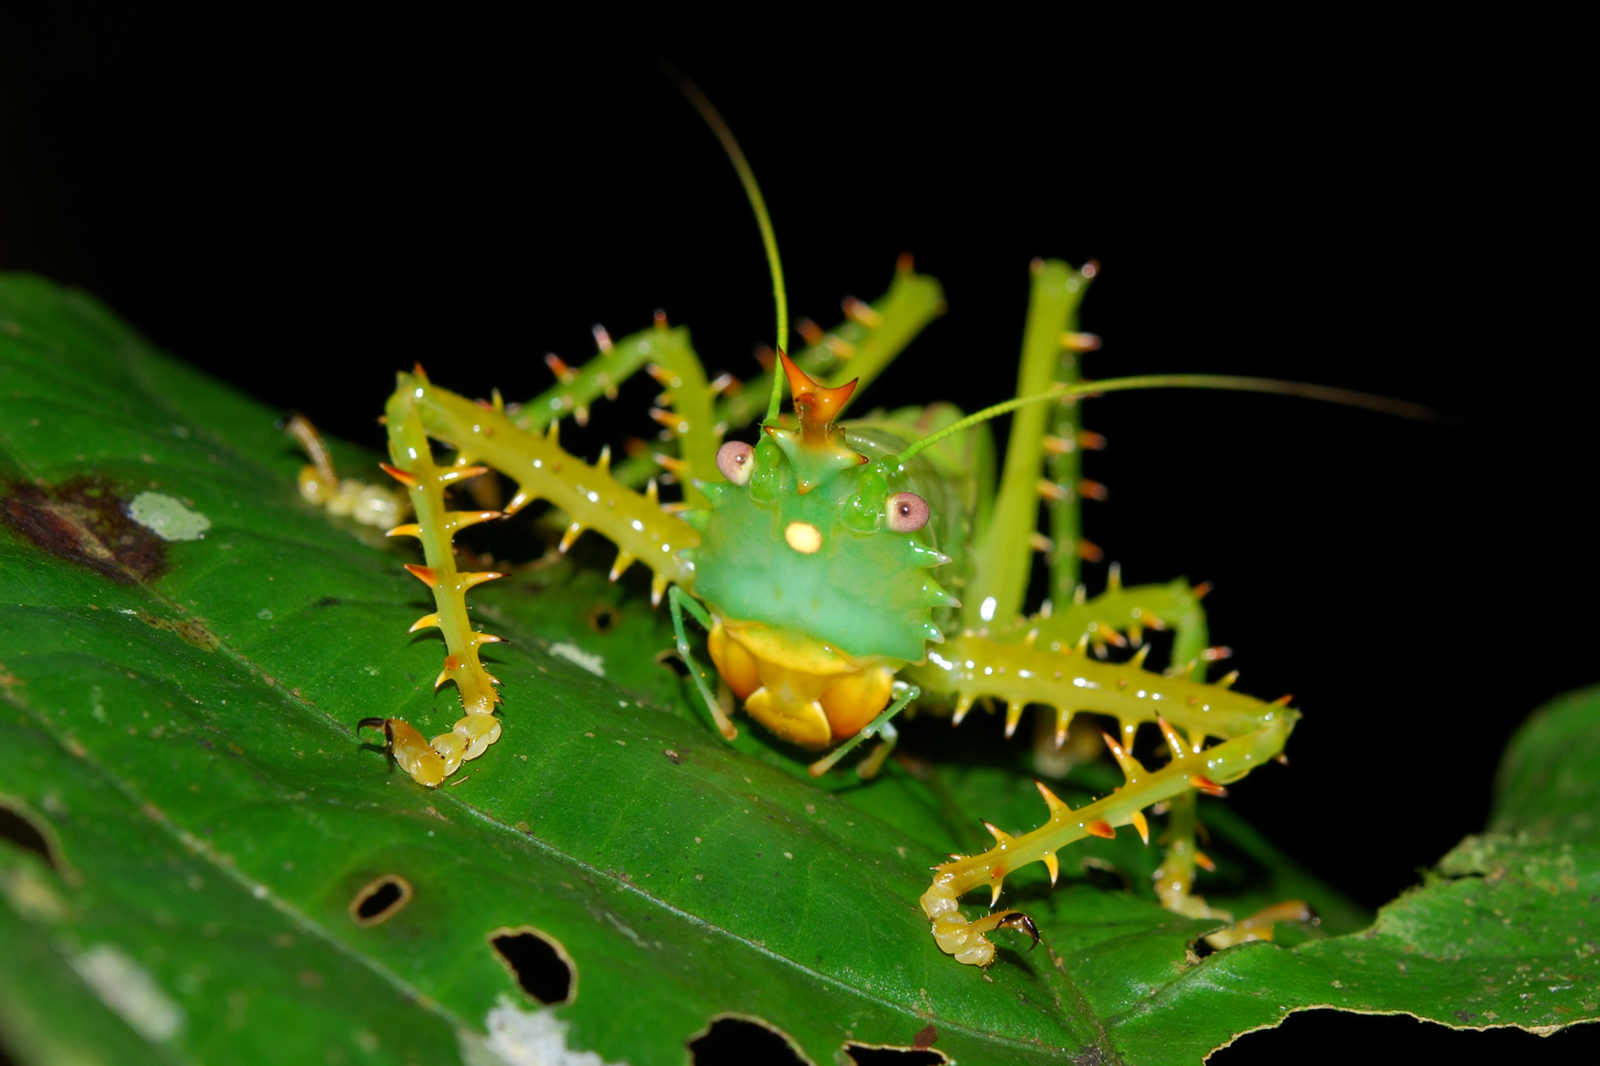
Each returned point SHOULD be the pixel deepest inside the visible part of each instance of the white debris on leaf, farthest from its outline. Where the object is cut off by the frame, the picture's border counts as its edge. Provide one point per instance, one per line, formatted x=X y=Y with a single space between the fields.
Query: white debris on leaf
x=167 y=517
x=129 y=990
x=524 y=1038
x=595 y=664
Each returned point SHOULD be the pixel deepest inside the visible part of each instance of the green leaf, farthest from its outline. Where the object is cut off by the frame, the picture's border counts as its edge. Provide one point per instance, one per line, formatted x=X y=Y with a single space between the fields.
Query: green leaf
x=1501 y=934
x=1547 y=786
x=198 y=821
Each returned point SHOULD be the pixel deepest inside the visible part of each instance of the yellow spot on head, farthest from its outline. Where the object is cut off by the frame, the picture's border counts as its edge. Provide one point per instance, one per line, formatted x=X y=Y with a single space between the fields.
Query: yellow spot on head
x=803 y=537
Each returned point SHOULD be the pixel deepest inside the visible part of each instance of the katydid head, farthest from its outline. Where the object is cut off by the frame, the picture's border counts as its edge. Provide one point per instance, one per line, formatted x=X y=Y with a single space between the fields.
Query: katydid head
x=812 y=536
x=814 y=558
x=814 y=561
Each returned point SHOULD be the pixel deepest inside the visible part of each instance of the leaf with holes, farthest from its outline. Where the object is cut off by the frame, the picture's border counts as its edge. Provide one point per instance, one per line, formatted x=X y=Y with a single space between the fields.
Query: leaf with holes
x=208 y=863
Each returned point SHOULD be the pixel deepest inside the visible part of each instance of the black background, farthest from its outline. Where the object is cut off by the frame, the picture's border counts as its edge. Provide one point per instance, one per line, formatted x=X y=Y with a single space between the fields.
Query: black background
x=302 y=208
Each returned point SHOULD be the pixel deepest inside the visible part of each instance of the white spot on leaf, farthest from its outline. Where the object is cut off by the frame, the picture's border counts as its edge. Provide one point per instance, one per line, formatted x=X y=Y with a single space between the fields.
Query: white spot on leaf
x=519 y=1037
x=167 y=517
x=129 y=990
x=595 y=664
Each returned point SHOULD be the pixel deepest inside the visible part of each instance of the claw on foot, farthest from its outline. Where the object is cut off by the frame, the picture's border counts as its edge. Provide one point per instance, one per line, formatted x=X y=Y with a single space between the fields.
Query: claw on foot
x=430 y=762
x=963 y=939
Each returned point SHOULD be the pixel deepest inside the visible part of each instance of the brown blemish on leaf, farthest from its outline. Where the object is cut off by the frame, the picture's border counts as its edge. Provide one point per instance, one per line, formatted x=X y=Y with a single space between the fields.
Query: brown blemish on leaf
x=83 y=521
x=191 y=631
x=8 y=680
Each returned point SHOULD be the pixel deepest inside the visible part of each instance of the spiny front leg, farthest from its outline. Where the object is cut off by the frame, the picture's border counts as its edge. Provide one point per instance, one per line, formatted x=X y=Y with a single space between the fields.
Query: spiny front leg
x=436 y=527
x=970 y=666
x=642 y=531
x=590 y=496
x=1207 y=770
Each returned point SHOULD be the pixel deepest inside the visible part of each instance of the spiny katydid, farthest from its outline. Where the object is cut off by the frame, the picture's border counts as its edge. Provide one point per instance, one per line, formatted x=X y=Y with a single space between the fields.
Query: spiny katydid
x=846 y=570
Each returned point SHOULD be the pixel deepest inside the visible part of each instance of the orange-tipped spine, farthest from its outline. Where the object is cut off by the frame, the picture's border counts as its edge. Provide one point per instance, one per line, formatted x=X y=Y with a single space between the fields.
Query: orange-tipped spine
x=435 y=527
x=1227 y=762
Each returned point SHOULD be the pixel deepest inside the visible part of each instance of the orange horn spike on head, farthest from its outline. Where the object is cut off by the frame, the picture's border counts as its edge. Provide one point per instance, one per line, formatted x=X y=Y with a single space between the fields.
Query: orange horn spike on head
x=816 y=406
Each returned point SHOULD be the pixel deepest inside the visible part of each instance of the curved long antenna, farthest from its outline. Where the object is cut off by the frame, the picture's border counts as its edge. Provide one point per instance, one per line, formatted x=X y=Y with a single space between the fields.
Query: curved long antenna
x=752 y=191
x=1224 y=382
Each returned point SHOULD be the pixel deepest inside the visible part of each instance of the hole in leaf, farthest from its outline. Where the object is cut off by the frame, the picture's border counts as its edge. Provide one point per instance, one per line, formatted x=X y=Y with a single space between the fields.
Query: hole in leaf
x=18 y=829
x=740 y=1039
x=539 y=963
x=380 y=899
x=604 y=618
x=1201 y=948
x=671 y=660
x=890 y=1055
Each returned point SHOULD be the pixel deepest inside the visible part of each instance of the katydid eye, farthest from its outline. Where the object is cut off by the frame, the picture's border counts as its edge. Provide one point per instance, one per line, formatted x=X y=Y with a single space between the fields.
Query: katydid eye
x=737 y=461
x=906 y=512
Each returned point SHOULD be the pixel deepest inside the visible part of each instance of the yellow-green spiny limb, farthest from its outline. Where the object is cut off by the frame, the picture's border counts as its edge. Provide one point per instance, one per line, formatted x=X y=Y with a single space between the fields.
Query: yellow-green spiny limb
x=1002 y=557
x=1207 y=771
x=1131 y=610
x=589 y=495
x=1069 y=680
x=577 y=389
x=1120 y=609
x=859 y=348
x=436 y=527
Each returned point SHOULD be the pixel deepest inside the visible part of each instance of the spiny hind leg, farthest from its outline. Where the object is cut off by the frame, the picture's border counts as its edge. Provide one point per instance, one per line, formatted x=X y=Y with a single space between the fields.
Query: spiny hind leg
x=1174 y=878
x=1174 y=882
